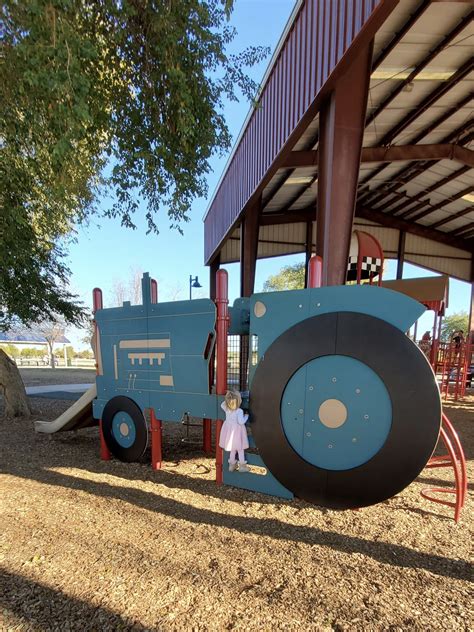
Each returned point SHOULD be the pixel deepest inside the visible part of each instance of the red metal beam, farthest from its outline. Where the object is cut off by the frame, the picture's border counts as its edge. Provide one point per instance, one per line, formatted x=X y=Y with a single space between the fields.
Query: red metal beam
x=413 y=170
x=462 y=229
x=437 y=185
x=436 y=207
x=273 y=219
x=424 y=132
x=428 y=101
x=249 y=229
x=395 y=153
x=415 y=229
x=457 y=215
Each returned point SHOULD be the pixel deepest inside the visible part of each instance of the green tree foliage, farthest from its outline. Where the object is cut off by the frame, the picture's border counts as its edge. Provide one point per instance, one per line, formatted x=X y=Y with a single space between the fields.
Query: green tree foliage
x=136 y=86
x=85 y=354
x=289 y=278
x=31 y=352
x=11 y=350
x=452 y=323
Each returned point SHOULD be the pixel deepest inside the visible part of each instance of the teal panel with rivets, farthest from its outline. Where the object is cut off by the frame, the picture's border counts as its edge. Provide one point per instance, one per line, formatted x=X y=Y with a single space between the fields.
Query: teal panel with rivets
x=272 y=313
x=158 y=355
x=336 y=412
x=259 y=479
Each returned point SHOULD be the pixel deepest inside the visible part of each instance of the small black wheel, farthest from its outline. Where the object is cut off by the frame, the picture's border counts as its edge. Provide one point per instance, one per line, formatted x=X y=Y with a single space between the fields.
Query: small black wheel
x=125 y=429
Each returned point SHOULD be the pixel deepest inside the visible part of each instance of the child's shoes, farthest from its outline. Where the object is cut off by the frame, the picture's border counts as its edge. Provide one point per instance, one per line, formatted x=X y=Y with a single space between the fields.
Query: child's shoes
x=232 y=467
x=243 y=467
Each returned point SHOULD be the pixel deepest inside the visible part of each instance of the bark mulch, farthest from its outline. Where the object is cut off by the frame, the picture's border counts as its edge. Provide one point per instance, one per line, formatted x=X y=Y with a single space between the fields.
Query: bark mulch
x=90 y=545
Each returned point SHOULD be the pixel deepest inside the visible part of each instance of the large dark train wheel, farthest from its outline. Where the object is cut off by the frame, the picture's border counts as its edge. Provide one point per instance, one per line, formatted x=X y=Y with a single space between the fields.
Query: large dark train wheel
x=124 y=428
x=345 y=410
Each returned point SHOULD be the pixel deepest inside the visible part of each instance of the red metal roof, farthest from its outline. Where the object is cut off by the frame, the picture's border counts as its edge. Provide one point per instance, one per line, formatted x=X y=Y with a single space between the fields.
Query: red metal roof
x=320 y=38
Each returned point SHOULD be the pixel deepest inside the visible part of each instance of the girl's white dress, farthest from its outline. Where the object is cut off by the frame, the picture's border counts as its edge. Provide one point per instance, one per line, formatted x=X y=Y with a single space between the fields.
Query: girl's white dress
x=233 y=431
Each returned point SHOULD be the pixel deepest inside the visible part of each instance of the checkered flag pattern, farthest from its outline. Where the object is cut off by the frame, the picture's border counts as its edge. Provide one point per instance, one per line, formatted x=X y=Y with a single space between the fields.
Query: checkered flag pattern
x=370 y=267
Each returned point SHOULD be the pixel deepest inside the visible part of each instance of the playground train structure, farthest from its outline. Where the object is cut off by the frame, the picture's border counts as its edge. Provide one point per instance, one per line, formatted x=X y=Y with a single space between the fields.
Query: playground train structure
x=344 y=409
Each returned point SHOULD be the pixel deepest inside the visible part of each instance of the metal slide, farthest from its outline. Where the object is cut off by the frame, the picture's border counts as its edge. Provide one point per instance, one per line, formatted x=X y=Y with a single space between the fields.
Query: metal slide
x=78 y=416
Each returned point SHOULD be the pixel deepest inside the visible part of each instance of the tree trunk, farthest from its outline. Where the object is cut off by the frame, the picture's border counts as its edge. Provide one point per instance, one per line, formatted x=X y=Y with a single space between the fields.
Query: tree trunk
x=12 y=389
x=52 y=359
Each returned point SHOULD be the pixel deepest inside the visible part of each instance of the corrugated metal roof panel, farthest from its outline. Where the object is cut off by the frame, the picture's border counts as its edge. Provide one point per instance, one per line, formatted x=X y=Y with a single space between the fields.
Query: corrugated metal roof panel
x=438 y=257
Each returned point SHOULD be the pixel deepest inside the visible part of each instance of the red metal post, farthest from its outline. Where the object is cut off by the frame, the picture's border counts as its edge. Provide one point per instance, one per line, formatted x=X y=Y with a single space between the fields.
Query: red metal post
x=454 y=458
x=341 y=126
x=315 y=270
x=207 y=436
x=97 y=303
x=154 y=290
x=221 y=355
x=156 y=441
x=434 y=346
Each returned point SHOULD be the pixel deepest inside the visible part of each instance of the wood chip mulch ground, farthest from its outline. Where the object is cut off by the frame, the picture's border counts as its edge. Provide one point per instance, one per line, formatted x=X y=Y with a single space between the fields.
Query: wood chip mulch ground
x=90 y=545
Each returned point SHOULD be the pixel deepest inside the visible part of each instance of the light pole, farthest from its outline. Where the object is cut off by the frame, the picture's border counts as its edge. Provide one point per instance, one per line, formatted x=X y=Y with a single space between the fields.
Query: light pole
x=193 y=283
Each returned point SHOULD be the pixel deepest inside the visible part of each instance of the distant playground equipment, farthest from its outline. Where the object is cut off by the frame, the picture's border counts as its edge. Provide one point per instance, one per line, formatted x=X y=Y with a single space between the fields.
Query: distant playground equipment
x=344 y=408
x=451 y=361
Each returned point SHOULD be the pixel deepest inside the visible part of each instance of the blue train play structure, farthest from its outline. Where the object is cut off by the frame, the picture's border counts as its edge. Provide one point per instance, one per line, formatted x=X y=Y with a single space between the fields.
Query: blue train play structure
x=344 y=408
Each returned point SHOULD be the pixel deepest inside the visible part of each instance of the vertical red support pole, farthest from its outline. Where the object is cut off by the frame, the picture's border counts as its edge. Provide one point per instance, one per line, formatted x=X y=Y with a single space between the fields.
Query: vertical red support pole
x=341 y=130
x=434 y=346
x=156 y=440
x=207 y=436
x=222 y=302
x=154 y=291
x=98 y=304
x=315 y=271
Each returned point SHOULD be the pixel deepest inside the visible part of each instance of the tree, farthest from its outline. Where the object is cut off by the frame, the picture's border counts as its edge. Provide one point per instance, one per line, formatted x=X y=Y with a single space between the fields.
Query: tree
x=52 y=331
x=11 y=350
x=136 y=86
x=289 y=278
x=454 y=322
x=129 y=290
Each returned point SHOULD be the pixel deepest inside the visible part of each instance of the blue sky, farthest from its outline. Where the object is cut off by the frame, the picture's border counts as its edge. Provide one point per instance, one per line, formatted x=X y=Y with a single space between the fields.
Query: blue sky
x=106 y=253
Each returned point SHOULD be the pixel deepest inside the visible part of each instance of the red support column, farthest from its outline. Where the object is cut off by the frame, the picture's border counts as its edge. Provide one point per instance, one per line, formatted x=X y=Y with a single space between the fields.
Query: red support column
x=207 y=423
x=156 y=441
x=98 y=304
x=154 y=291
x=341 y=122
x=207 y=436
x=249 y=229
x=434 y=344
x=315 y=269
x=221 y=354
x=309 y=251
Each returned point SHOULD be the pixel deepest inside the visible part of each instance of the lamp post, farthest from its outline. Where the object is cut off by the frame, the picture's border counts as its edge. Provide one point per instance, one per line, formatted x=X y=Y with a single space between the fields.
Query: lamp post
x=193 y=283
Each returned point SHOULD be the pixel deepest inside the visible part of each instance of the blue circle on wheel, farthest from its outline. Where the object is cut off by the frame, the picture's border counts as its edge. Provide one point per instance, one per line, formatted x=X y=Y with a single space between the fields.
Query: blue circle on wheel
x=123 y=429
x=336 y=412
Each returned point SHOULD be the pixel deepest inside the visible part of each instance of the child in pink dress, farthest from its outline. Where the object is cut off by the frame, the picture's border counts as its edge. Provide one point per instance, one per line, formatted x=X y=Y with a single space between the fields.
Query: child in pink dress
x=233 y=436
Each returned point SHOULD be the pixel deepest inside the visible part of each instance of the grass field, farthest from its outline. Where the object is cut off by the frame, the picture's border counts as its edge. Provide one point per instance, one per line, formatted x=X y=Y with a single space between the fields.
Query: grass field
x=38 y=376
